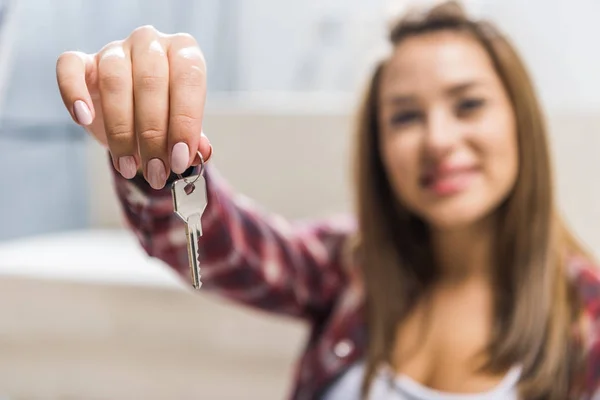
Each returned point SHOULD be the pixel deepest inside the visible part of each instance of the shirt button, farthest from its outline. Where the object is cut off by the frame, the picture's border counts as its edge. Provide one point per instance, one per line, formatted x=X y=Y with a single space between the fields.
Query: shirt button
x=343 y=348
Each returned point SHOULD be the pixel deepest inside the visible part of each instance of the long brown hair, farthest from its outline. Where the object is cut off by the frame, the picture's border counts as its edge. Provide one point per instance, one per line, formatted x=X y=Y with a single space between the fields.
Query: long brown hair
x=535 y=308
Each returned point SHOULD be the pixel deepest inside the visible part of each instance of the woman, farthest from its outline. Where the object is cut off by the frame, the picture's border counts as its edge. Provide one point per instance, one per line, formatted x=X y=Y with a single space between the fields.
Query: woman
x=460 y=280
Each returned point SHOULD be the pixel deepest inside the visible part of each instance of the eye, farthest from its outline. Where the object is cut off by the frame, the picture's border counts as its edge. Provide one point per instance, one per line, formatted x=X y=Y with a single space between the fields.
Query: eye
x=404 y=118
x=468 y=106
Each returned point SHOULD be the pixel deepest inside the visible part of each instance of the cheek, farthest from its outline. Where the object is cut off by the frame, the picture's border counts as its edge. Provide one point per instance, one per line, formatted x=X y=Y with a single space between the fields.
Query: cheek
x=400 y=155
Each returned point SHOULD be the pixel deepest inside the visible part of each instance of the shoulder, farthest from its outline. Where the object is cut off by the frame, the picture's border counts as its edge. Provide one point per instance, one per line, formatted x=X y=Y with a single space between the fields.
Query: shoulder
x=585 y=275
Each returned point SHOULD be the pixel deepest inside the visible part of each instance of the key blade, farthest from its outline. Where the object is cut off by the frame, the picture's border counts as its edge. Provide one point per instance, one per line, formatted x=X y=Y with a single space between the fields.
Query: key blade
x=189 y=196
x=193 y=231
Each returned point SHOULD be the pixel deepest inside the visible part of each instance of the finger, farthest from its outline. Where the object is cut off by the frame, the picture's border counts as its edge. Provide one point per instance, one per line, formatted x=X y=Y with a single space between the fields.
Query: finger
x=205 y=148
x=187 y=98
x=151 y=94
x=72 y=68
x=116 y=94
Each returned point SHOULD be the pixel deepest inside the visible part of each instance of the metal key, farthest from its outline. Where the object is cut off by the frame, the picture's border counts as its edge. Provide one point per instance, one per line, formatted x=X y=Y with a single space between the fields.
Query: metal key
x=189 y=202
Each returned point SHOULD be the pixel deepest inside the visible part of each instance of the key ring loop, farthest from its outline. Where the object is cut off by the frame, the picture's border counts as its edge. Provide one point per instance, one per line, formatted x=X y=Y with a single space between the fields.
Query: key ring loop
x=199 y=173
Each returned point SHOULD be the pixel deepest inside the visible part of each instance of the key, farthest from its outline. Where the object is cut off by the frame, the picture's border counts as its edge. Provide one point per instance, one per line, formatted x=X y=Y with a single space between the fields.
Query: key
x=189 y=202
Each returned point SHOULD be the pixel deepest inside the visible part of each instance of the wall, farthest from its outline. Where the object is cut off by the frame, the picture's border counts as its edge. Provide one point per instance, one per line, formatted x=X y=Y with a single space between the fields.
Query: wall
x=250 y=46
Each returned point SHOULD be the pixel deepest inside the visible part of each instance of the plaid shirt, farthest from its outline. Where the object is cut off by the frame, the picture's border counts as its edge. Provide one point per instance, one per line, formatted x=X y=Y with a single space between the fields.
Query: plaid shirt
x=295 y=269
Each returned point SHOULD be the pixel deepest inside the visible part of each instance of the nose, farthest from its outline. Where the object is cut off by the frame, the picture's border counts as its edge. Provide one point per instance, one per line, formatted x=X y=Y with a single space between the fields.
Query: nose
x=442 y=133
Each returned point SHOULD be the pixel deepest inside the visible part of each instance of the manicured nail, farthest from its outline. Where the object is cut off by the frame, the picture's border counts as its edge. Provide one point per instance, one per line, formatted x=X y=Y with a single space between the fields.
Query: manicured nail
x=127 y=167
x=157 y=176
x=82 y=113
x=180 y=158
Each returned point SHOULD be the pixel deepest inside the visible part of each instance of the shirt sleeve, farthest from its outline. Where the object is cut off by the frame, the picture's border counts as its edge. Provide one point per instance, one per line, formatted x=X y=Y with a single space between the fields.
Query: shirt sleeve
x=247 y=254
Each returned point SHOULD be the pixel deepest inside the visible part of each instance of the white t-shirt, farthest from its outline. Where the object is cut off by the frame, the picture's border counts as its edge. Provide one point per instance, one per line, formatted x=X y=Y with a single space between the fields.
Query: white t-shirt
x=389 y=386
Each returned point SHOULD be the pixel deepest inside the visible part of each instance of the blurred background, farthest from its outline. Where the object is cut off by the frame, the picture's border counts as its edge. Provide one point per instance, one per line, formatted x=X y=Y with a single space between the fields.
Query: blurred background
x=84 y=313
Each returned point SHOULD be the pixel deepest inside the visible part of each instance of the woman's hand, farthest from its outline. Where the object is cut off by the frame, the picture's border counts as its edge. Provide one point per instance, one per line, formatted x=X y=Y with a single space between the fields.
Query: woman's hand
x=143 y=99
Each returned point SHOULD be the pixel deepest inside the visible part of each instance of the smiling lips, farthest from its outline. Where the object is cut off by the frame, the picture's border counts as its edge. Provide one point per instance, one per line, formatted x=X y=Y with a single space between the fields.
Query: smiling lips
x=445 y=180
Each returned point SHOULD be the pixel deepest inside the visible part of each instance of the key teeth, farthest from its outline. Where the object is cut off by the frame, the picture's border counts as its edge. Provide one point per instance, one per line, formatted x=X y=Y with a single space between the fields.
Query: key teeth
x=199 y=285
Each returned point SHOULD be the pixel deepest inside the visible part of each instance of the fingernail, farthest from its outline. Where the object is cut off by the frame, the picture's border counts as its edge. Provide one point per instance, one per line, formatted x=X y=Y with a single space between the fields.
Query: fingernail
x=157 y=176
x=209 y=144
x=127 y=167
x=180 y=158
x=82 y=113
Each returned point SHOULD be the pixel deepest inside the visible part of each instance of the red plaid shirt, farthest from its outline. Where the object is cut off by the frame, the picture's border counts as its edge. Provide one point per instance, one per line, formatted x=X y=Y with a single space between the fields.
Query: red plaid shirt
x=296 y=269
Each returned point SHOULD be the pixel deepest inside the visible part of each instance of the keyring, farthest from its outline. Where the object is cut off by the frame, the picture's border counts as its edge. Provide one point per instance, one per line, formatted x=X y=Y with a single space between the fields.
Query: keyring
x=199 y=173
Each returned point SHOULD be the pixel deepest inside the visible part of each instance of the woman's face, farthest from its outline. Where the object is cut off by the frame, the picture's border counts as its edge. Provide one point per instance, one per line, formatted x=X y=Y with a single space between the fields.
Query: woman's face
x=448 y=130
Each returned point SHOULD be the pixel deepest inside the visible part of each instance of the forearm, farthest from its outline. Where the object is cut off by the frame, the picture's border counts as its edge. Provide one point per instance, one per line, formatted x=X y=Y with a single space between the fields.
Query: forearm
x=246 y=254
